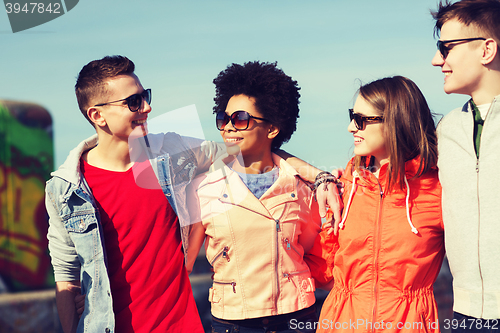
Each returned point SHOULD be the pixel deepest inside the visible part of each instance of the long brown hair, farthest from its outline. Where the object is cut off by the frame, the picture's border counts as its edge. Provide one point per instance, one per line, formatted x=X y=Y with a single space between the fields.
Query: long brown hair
x=409 y=128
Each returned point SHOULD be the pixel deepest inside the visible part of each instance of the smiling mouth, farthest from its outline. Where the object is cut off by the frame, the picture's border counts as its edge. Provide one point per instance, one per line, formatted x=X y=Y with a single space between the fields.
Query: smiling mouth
x=139 y=122
x=233 y=140
x=357 y=140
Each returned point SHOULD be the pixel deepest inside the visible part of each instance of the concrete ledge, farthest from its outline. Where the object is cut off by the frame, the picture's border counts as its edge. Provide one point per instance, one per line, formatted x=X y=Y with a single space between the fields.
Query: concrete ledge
x=13 y=298
x=29 y=312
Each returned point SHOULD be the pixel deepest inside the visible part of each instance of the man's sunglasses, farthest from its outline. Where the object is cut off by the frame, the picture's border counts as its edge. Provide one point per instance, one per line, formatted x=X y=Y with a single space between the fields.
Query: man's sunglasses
x=239 y=119
x=359 y=120
x=134 y=102
x=444 y=50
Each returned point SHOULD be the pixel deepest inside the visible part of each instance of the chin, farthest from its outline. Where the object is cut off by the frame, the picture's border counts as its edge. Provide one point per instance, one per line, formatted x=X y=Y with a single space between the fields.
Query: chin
x=232 y=149
x=449 y=89
x=138 y=132
x=358 y=152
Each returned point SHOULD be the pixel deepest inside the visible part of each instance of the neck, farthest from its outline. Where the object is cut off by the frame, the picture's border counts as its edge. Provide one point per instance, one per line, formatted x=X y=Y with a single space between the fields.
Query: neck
x=110 y=155
x=254 y=164
x=489 y=86
x=378 y=164
x=484 y=97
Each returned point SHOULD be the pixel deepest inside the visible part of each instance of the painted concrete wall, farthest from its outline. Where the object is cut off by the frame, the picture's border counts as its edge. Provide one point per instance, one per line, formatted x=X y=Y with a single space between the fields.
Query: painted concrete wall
x=26 y=160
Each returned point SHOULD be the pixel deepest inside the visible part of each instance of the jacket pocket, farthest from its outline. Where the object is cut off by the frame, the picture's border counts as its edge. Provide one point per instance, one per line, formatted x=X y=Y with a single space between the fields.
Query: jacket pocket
x=226 y=293
x=214 y=296
x=290 y=247
x=183 y=167
x=301 y=282
x=83 y=230
x=222 y=254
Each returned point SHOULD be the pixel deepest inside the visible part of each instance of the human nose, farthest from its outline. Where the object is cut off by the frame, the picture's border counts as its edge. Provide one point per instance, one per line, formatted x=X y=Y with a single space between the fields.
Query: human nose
x=438 y=59
x=351 y=128
x=145 y=108
x=229 y=127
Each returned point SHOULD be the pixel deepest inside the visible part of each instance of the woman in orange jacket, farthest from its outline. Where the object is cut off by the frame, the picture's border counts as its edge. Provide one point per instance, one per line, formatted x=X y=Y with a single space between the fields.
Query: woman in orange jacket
x=390 y=242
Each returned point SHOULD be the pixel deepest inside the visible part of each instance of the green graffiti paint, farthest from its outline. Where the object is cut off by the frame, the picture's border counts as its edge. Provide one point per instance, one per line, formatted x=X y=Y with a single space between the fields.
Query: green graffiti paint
x=26 y=159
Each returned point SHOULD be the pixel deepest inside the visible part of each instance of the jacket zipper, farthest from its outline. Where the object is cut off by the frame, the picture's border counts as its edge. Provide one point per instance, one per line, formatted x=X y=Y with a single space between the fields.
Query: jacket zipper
x=479 y=212
x=289 y=246
x=478 y=235
x=377 y=248
x=276 y=266
x=224 y=253
x=233 y=284
x=291 y=274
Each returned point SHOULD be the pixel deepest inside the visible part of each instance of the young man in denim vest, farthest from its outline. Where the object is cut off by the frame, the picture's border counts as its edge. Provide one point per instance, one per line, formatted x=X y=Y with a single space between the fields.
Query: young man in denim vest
x=469 y=146
x=114 y=227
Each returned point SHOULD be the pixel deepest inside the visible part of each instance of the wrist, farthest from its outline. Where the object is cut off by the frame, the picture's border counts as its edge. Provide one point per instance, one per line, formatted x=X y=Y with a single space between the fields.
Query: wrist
x=324 y=177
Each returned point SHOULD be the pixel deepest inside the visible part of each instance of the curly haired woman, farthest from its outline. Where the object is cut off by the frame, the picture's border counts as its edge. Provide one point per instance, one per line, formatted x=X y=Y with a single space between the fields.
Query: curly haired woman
x=258 y=217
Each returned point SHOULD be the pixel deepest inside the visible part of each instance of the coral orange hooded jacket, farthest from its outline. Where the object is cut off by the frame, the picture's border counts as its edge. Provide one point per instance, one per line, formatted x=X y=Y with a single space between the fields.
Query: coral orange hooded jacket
x=390 y=250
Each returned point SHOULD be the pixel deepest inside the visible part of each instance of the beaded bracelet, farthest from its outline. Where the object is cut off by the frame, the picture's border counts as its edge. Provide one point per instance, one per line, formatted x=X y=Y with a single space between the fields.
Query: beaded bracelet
x=324 y=177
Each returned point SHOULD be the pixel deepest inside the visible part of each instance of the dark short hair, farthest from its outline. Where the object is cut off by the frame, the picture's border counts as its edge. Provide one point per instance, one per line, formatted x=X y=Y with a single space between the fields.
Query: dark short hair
x=90 y=83
x=276 y=94
x=409 y=127
x=479 y=14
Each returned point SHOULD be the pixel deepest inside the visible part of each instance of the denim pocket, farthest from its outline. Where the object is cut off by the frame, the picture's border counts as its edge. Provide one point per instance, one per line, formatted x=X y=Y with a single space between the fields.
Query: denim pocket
x=83 y=231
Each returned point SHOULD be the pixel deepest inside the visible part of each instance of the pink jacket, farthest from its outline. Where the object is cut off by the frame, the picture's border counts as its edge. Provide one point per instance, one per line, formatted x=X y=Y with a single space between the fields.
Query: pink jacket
x=256 y=246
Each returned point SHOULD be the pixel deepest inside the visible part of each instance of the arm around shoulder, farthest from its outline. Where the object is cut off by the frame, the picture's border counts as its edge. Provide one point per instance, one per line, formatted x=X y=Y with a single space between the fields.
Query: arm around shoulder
x=205 y=152
x=327 y=195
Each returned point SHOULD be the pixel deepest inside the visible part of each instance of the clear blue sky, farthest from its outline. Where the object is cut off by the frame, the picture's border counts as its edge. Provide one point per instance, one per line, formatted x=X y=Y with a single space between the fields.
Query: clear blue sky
x=178 y=47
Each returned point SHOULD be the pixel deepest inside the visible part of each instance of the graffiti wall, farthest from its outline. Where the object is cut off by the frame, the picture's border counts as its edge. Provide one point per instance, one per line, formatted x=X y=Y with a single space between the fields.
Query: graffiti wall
x=26 y=160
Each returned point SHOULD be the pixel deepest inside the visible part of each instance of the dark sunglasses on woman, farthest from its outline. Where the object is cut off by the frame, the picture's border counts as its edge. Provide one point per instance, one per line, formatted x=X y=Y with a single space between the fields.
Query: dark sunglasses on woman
x=239 y=119
x=360 y=120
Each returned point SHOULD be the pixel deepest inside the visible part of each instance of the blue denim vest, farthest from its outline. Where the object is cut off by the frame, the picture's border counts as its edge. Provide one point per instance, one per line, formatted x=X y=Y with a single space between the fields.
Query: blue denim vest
x=74 y=215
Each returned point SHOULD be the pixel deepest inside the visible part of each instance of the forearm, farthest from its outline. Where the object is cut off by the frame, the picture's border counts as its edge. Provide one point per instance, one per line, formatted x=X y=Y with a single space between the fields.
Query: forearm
x=65 y=299
x=327 y=194
x=205 y=152
x=196 y=238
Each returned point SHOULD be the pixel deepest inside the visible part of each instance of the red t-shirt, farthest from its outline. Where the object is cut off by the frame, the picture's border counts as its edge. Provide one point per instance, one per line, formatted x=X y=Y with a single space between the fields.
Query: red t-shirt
x=149 y=282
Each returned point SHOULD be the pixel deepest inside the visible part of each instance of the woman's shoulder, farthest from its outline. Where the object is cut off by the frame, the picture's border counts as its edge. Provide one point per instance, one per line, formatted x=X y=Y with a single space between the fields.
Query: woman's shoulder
x=427 y=185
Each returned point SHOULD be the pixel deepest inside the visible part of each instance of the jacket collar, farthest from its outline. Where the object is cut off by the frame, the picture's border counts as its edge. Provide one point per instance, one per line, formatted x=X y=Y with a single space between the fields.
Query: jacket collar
x=216 y=170
x=235 y=192
x=495 y=105
x=70 y=169
x=411 y=169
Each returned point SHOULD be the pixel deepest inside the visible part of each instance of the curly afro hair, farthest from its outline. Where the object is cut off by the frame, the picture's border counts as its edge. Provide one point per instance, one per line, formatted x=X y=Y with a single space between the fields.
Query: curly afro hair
x=276 y=94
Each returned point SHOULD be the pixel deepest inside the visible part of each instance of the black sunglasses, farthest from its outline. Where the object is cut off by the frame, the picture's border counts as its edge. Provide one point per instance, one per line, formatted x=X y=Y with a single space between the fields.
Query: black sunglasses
x=239 y=119
x=134 y=102
x=359 y=120
x=444 y=50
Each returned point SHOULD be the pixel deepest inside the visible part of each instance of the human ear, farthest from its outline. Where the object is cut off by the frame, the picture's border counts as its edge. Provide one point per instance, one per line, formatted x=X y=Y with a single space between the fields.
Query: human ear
x=490 y=51
x=273 y=131
x=95 y=116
